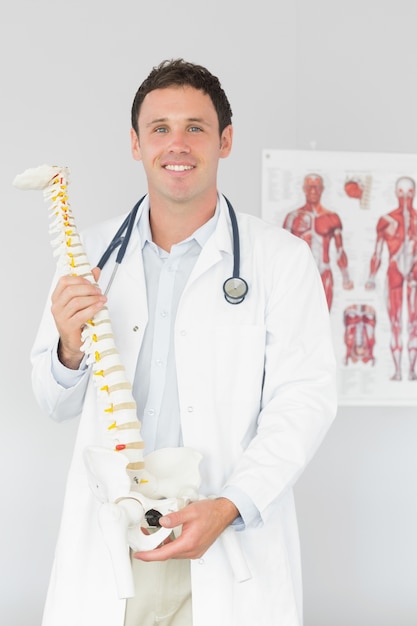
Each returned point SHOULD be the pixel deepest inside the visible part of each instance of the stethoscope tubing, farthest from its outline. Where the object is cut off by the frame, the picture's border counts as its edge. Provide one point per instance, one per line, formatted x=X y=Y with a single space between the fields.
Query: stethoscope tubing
x=121 y=240
x=234 y=288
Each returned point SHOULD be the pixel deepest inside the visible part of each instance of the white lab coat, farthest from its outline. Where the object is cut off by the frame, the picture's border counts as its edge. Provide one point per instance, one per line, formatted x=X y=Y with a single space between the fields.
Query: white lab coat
x=257 y=394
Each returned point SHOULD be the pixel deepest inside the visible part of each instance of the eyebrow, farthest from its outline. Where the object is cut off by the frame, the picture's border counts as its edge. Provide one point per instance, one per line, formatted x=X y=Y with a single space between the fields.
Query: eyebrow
x=162 y=120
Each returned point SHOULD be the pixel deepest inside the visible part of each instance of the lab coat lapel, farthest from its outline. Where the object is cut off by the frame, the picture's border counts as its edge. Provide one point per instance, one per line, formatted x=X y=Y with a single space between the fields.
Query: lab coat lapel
x=220 y=242
x=128 y=305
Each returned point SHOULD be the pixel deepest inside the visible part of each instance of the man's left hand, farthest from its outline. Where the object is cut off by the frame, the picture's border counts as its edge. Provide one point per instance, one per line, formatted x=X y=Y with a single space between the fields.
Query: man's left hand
x=202 y=522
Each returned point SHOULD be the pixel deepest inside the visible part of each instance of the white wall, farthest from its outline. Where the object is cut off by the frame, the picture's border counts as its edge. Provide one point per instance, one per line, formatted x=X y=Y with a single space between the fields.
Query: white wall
x=298 y=72
x=356 y=90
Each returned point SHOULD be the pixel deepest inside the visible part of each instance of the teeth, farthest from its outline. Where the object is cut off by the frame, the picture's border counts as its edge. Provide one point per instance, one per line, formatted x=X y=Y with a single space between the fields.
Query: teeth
x=178 y=168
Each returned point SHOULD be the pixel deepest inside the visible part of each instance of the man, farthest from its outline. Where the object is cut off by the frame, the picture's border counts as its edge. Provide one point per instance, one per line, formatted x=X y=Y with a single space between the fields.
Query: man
x=319 y=227
x=398 y=231
x=251 y=385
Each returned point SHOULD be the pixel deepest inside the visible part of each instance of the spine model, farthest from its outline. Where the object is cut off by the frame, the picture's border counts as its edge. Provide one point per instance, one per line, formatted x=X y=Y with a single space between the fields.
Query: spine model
x=117 y=405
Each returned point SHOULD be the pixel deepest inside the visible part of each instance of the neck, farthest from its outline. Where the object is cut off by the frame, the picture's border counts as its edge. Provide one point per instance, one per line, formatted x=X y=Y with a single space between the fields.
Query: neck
x=406 y=206
x=314 y=206
x=173 y=222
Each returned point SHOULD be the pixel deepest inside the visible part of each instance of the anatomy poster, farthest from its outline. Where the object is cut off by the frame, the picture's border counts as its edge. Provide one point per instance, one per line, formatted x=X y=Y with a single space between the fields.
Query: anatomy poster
x=358 y=213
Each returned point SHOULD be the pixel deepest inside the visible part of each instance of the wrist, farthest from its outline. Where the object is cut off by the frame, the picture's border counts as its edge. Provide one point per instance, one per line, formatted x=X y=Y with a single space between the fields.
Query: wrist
x=68 y=358
x=228 y=509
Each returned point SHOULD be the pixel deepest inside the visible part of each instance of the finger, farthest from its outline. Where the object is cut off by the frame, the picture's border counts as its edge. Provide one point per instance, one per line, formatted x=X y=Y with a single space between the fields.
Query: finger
x=72 y=297
x=76 y=320
x=74 y=316
x=76 y=285
x=178 y=518
x=171 y=550
x=68 y=280
x=82 y=307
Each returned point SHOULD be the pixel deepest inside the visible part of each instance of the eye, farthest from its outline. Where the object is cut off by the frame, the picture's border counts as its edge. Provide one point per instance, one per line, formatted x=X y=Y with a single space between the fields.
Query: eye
x=160 y=129
x=194 y=129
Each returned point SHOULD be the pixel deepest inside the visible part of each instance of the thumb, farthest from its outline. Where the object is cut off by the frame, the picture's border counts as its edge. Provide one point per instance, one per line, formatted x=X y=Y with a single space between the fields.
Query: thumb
x=182 y=516
x=167 y=521
x=171 y=520
x=96 y=271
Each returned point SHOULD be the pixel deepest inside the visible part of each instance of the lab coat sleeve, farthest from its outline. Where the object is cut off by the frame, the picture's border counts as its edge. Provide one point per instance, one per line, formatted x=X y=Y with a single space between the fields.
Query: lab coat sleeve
x=299 y=390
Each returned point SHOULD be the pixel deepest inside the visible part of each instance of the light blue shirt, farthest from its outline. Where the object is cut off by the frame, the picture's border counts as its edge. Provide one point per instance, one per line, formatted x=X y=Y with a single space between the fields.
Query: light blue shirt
x=155 y=383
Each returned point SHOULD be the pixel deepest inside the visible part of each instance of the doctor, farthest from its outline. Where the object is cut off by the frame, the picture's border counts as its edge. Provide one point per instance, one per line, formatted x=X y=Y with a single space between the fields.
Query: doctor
x=250 y=385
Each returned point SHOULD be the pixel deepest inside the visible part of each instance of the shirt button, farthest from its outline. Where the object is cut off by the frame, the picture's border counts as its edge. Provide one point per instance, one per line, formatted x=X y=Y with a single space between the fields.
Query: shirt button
x=201 y=561
x=190 y=409
x=151 y=411
x=183 y=333
x=164 y=313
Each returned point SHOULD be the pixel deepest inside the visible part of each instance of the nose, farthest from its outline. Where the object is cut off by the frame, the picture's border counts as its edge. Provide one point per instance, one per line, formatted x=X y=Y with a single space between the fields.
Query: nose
x=179 y=142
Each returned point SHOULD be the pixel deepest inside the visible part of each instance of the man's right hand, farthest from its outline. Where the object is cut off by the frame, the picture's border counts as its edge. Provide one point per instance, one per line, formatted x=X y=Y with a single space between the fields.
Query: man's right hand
x=74 y=301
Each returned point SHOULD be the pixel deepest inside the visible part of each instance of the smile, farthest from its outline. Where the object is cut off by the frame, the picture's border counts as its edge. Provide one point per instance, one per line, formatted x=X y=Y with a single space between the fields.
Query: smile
x=178 y=168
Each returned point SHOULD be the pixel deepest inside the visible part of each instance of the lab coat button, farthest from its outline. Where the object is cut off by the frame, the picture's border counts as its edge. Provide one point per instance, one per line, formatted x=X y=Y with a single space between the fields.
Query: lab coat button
x=135 y=329
x=183 y=333
x=190 y=409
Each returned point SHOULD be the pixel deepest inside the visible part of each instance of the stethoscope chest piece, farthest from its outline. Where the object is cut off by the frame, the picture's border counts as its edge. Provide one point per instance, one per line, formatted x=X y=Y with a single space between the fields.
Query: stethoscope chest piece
x=235 y=289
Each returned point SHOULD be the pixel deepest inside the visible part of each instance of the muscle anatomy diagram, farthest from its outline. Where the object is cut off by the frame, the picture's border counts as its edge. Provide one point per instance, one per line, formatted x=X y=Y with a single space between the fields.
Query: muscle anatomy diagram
x=319 y=227
x=358 y=214
x=397 y=232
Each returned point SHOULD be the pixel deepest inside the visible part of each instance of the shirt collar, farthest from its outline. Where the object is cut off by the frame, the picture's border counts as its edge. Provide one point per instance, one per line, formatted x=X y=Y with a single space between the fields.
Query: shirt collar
x=201 y=235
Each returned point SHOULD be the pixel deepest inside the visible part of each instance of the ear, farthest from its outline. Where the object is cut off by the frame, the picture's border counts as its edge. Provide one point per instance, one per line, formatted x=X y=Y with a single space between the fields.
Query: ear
x=135 y=147
x=226 y=141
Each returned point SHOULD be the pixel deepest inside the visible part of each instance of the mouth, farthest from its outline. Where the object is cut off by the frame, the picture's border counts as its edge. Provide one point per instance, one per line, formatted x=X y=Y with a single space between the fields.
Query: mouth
x=178 y=168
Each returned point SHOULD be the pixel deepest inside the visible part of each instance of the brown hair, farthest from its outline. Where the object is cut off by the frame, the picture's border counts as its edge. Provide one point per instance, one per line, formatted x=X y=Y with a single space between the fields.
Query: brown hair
x=180 y=73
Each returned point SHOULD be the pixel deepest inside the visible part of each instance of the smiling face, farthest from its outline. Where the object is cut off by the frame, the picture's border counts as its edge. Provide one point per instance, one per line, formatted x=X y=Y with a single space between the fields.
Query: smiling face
x=180 y=146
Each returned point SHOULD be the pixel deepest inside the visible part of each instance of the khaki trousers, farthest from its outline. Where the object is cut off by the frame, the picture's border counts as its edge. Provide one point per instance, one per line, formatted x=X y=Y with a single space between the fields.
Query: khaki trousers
x=163 y=594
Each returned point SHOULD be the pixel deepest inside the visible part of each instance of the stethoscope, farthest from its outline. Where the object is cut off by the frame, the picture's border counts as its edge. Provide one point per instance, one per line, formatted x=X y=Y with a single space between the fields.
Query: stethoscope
x=235 y=288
